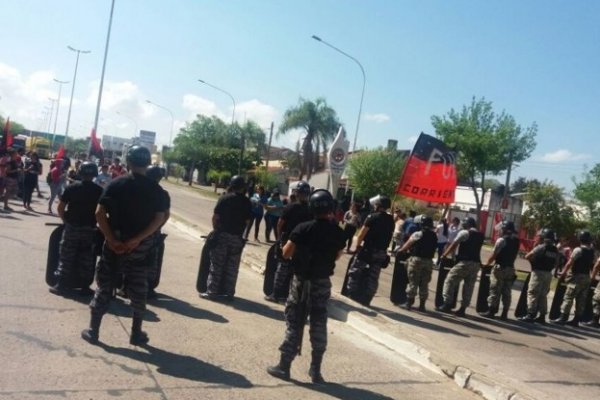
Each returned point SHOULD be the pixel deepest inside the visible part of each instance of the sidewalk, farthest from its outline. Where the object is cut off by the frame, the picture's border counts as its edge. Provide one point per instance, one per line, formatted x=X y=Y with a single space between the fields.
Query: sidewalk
x=500 y=360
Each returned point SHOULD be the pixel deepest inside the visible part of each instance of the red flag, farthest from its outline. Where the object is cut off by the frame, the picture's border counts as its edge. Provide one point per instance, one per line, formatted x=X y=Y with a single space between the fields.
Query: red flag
x=430 y=172
x=95 y=146
x=60 y=154
x=7 y=139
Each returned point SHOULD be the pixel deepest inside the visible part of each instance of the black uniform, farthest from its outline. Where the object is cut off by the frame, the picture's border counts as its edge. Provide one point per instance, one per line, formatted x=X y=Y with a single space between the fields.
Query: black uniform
x=292 y=216
x=76 y=254
x=233 y=210
x=317 y=245
x=132 y=203
x=363 y=276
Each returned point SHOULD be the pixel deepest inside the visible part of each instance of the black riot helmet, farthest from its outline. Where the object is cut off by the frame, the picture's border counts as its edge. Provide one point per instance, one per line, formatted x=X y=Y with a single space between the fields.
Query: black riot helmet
x=426 y=221
x=585 y=237
x=155 y=173
x=237 y=183
x=138 y=156
x=321 y=202
x=380 y=201
x=548 y=234
x=469 y=222
x=88 y=169
x=303 y=188
x=508 y=227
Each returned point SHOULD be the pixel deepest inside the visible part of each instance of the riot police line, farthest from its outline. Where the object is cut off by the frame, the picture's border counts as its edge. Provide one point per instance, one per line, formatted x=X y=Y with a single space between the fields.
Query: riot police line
x=131 y=210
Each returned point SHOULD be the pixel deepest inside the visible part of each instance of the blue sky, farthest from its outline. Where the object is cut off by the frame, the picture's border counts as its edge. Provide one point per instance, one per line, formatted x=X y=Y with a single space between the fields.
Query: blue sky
x=538 y=60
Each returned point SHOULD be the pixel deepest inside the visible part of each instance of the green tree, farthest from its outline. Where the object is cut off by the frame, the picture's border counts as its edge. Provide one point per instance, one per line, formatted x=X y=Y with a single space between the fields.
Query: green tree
x=320 y=123
x=374 y=172
x=547 y=208
x=15 y=127
x=77 y=146
x=266 y=178
x=488 y=144
x=521 y=184
x=587 y=191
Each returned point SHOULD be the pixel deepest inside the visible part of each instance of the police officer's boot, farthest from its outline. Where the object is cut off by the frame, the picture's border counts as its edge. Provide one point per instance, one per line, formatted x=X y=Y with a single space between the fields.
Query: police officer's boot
x=461 y=311
x=281 y=370
x=504 y=315
x=92 y=333
x=594 y=323
x=422 y=305
x=562 y=319
x=445 y=308
x=138 y=337
x=409 y=304
x=60 y=288
x=315 y=369
x=574 y=322
x=530 y=318
x=541 y=319
x=490 y=313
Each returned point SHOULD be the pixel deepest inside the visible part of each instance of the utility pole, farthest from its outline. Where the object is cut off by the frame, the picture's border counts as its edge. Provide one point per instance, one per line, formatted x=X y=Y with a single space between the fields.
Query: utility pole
x=269 y=147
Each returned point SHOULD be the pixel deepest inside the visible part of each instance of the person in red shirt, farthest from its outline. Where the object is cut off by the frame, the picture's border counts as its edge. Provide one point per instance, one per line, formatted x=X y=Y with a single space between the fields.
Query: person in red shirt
x=116 y=169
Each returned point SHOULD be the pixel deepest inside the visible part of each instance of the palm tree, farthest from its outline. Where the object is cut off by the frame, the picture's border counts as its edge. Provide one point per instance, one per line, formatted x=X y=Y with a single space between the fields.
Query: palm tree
x=320 y=123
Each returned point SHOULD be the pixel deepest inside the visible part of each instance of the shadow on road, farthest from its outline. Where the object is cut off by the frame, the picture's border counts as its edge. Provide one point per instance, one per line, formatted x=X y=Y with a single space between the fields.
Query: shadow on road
x=250 y=306
x=567 y=383
x=342 y=392
x=406 y=319
x=185 y=309
x=181 y=366
x=117 y=307
x=463 y=321
x=509 y=324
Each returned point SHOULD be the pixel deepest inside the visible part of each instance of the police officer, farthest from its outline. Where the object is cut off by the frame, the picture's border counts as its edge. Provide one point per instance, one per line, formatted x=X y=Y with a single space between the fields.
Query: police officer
x=371 y=256
x=293 y=214
x=595 y=322
x=129 y=213
x=77 y=208
x=469 y=241
x=422 y=246
x=503 y=274
x=543 y=258
x=576 y=274
x=313 y=247
x=230 y=217
x=156 y=173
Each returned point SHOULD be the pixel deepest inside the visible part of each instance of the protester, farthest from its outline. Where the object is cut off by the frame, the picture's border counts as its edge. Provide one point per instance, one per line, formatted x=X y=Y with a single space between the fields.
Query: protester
x=32 y=169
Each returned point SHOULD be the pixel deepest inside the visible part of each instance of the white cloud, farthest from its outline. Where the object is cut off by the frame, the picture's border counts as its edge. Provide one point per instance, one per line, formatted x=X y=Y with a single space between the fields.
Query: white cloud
x=261 y=113
x=562 y=155
x=377 y=118
x=199 y=105
x=412 y=139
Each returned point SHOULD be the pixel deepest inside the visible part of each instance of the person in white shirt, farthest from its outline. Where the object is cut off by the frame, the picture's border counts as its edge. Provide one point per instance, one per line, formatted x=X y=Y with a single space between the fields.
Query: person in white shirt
x=104 y=177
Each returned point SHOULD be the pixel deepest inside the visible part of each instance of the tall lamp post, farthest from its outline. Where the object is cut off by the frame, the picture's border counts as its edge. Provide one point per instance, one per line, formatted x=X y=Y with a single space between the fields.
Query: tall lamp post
x=362 y=94
x=112 y=8
x=52 y=101
x=60 y=83
x=172 y=119
x=78 y=51
x=232 y=119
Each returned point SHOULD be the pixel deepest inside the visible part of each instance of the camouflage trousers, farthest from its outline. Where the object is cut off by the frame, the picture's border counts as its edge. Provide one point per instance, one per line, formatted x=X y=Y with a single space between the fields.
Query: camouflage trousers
x=419 y=275
x=134 y=267
x=363 y=276
x=463 y=270
x=283 y=277
x=596 y=300
x=578 y=286
x=320 y=291
x=76 y=256
x=501 y=281
x=225 y=259
x=537 y=293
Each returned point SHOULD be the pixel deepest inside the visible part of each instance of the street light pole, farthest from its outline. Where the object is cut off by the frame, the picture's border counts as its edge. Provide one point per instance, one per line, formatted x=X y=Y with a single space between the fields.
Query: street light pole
x=60 y=83
x=172 y=119
x=78 y=51
x=362 y=94
x=112 y=8
x=232 y=120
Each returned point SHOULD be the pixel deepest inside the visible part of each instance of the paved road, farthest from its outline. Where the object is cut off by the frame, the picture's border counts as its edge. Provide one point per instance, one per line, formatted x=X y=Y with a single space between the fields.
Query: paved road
x=539 y=361
x=199 y=349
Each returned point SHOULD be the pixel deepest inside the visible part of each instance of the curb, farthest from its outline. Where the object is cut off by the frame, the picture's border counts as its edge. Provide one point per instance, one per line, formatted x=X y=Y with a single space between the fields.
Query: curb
x=371 y=324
